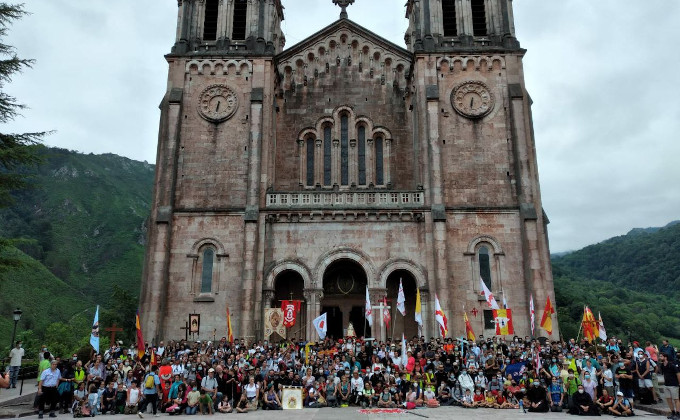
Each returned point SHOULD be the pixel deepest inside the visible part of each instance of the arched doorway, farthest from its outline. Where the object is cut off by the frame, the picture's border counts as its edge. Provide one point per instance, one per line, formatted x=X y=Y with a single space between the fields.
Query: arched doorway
x=344 y=298
x=289 y=285
x=402 y=324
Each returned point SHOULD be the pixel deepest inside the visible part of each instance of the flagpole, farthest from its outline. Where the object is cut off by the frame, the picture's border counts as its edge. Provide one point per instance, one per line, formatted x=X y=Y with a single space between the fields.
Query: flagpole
x=393 y=322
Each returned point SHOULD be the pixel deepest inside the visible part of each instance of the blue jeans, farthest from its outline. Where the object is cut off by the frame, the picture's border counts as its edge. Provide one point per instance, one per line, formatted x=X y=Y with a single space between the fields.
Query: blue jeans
x=190 y=411
x=13 y=375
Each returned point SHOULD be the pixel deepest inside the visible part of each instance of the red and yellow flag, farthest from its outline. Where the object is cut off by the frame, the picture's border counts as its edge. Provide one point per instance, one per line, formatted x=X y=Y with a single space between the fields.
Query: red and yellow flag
x=503 y=319
x=546 y=320
x=154 y=360
x=468 y=328
x=230 y=331
x=590 y=325
x=140 y=338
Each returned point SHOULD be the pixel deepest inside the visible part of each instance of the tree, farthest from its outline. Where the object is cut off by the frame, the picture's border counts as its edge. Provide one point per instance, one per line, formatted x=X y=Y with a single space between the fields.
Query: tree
x=16 y=149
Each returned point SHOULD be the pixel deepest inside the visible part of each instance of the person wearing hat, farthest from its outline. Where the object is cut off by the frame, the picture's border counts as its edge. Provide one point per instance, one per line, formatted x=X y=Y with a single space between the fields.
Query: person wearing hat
x=621 y=406
x=209 y=386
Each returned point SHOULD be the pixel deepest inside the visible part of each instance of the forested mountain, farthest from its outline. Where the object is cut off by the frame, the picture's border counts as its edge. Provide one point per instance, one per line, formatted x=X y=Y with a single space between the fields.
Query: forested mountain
x=84 y=230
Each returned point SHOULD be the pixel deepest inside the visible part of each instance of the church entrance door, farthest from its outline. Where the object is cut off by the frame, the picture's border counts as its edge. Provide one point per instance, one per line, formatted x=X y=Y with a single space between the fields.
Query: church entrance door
x=289 y=285
x=402 y=324
x=344 y=295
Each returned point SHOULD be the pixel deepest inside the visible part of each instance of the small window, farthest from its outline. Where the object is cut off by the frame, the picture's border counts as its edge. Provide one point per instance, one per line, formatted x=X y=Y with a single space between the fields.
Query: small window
x=489 y=322
x=485 y=266
x=362 y=155
x=449 y=15
x=207 y=270
x=327 y=156
x=310 y=162
x=210 y=21
x=344 y=150
x=379 y=178
x=239 y=21
x=479 y=18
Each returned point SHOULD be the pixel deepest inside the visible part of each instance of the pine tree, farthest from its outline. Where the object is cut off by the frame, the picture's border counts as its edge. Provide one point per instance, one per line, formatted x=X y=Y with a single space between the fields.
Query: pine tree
x=16 y=149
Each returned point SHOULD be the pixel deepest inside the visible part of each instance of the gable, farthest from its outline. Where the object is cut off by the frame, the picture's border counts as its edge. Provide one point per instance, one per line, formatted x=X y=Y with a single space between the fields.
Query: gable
x=344 y=44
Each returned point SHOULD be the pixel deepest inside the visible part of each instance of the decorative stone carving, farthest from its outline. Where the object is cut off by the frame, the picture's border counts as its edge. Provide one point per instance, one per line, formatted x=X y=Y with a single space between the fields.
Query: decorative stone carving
x=472 y=99
x=217 y=103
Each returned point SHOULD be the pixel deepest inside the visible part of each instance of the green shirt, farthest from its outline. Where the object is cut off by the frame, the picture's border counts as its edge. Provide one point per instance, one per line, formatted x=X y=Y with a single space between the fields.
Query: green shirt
x=44 y=364
x=571 y=385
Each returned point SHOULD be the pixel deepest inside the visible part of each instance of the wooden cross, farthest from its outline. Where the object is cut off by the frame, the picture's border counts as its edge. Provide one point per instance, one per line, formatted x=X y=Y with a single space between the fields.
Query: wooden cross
x=113 y=330
x=186 y=330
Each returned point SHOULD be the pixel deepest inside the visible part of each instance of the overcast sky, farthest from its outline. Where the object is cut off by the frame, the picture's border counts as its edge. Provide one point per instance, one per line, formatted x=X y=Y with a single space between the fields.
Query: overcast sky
x=603 y=76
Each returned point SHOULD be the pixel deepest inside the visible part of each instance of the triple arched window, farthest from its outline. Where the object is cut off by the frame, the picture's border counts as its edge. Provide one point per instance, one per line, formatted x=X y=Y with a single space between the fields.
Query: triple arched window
x=345 y=151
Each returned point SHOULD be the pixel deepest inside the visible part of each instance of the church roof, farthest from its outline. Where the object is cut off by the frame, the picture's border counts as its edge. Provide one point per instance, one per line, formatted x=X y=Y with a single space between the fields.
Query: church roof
x=350 y=27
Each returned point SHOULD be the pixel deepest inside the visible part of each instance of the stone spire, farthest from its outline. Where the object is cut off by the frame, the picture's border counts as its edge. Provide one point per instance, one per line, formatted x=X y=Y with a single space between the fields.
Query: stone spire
x=343 y=4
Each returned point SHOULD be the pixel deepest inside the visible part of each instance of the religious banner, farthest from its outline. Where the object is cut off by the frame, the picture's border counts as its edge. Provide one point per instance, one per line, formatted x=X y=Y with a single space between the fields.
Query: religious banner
x=503 y=320
x=194 y=323
x=290 y=310
x=273 y=323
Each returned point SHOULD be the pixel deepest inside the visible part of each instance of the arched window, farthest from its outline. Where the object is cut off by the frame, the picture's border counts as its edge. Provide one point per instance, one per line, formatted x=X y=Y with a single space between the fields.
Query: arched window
x=310 y=162
x=479 y=18
x=239 y=20
x=207 y=266
x=379 y=178
x=344 y=150
x=449 y=17
x=327 y=167
x=210 y=21
x=362 y=155
x=485 y=265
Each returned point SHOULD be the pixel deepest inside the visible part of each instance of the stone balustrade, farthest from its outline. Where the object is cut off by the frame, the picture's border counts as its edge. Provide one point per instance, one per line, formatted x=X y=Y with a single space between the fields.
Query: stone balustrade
x=345 y=199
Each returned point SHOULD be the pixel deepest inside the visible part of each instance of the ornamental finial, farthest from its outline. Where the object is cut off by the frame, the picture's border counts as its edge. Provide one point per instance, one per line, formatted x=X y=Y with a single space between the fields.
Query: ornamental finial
x=343 y=4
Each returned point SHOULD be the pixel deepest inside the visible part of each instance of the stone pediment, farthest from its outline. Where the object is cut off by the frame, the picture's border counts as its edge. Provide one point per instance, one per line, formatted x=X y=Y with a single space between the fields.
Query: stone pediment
x=344 y=44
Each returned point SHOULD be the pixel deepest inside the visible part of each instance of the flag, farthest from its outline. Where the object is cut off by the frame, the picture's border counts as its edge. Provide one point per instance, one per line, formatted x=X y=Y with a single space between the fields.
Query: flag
x=440 y=317
x=153 y=360
x=140 y=338
x=94 y=335
x=419 y=310
x=290 y=310
x=503 y=319
x=546 y=320
x=531 y=312
x=537 y=360
x=386 y=314
x=404 y=356
x=488 y=295
x=230 y=331
x=368 y=311
x=401 y=300
x=590 y=327
x=468 y=328
x=600 y=324
x=321 y=325
x=515 y=370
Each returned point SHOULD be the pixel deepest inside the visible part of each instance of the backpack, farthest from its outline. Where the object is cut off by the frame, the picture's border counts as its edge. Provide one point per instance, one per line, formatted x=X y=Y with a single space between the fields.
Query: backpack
x=149 y=382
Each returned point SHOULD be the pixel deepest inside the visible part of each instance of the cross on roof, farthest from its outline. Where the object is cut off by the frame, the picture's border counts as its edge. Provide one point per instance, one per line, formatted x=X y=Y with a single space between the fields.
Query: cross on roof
x=343 y=4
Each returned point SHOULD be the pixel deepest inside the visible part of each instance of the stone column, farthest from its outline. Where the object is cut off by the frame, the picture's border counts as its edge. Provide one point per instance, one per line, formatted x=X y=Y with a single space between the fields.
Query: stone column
x=302 y=150
x=387 y=160
x=353 y=157
x=370 y=164
x=428 y=317
x=318 y=156
x=335 y=162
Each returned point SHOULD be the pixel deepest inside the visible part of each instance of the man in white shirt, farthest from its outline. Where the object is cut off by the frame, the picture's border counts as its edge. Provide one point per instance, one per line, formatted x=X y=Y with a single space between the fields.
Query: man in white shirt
x=15 y=364
x=161 y=349
x=357 y=385
x=47 y=389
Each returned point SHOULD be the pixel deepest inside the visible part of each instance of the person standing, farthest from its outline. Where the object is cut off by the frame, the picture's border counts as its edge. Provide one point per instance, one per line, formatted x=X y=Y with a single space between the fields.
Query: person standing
x=47 y=388
x=152 y=389
x=15 y=355
x=671 y=383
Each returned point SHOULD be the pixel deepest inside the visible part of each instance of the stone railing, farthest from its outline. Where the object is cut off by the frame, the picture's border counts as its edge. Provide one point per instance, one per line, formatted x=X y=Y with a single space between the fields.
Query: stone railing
x=345 y=199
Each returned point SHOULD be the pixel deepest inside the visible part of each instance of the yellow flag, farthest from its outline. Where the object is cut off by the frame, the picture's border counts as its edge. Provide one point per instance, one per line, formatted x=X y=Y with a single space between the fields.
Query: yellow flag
x=419 y=309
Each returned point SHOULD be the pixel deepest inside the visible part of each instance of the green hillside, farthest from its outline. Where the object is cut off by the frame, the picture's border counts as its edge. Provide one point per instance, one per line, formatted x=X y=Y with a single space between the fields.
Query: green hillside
x=632 y=280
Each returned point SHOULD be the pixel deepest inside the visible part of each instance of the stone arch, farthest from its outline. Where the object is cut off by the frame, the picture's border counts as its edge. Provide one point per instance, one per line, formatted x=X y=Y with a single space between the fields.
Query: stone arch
x=472 y=246
x=346 y=254
x=288 y=265
x=207 y=241
x=402 y=264
x=386 y=134
x=321 y=122
x=309 y=131
x=366 y=122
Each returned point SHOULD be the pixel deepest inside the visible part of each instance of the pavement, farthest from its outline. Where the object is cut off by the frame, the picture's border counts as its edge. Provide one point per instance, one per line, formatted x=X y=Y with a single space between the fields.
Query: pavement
x=352 y=413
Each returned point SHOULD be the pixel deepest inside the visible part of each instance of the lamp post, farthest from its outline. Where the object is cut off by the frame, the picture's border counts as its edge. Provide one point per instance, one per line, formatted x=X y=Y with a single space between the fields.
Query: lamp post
x=17 y=316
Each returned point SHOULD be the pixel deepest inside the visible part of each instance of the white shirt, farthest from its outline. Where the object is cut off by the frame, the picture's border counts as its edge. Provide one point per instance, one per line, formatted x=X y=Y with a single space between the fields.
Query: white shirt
x=357 y=384
x=50 y=378
x=16 y=355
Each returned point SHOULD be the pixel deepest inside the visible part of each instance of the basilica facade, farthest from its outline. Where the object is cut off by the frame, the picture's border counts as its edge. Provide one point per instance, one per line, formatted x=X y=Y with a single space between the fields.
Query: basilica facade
x=342 y=163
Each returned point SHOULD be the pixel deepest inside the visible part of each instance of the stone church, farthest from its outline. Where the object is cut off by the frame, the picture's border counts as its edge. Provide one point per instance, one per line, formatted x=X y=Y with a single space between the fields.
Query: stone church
x=344 y=162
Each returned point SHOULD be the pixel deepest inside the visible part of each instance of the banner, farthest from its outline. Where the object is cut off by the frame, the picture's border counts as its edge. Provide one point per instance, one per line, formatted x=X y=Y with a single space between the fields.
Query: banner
x=273 y=323
x=401 y=300
x=469 y=334
x=290 y=309
x=503 y=319
x=321 y=325
x=488 y=295
x=386 y=315
x=419 y=311
x=546 y=320
x=140 y=339
x=440 y=317
x=368 y=311
x=516 y=370
x=94 y=336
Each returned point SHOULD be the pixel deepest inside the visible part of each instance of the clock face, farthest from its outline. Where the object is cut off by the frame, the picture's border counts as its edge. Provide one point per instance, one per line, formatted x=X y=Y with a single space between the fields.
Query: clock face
x=218 y=103
x=472 y=99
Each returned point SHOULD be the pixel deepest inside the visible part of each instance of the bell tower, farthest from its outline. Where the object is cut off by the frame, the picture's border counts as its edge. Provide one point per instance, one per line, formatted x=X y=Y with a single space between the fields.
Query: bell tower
x=237 y=26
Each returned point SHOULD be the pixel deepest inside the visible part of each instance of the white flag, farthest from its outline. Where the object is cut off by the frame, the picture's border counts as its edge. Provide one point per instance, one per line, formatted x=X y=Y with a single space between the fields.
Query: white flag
x=368 y=311
x=489 y=296
x=532 y=312
x=603 y=333
x=94 y=336
x=321 y=325
x=404 y=356
x=401 y=300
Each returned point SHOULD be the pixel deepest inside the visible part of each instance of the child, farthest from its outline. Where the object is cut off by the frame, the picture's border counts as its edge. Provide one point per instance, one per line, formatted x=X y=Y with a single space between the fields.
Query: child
x=121 y=396
x=205 y=402
x=478 y=399
x=134 y=395
x=224 y=406
x=79 y=400
x=93 y=401
x=468 y=401
x=242 y=405
x=192 y=400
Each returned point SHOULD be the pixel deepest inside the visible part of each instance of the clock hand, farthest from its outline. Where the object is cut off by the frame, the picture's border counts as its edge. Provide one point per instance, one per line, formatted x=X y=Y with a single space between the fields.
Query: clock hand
x=472 y=101
x=217 y=109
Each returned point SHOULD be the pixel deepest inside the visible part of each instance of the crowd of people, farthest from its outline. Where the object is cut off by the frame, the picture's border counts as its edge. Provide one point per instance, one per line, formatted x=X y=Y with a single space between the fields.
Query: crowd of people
x=221 y=377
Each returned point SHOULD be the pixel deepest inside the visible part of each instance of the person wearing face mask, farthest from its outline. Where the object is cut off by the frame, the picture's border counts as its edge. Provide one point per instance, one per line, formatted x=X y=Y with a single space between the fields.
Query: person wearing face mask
x=571 y=387
x=15 y=355
x=538 y=398
x=589 y=385
x=465 y=381
x=583 y=404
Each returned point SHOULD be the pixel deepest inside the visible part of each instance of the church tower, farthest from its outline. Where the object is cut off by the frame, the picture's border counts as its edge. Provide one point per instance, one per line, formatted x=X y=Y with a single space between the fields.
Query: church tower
x=343 y=165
